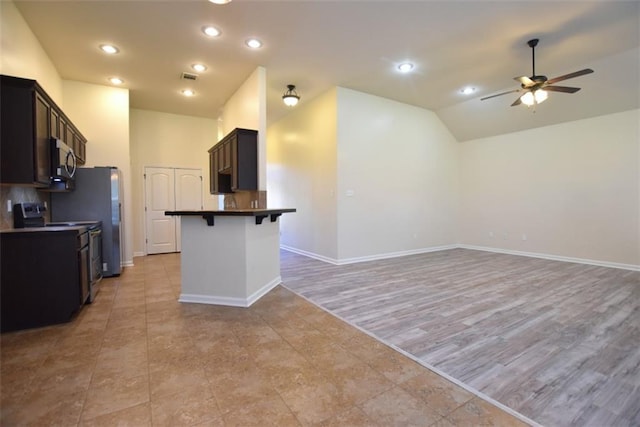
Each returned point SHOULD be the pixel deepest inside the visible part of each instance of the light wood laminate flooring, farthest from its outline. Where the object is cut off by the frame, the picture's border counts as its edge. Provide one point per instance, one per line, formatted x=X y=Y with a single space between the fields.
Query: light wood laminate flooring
x=557 y=342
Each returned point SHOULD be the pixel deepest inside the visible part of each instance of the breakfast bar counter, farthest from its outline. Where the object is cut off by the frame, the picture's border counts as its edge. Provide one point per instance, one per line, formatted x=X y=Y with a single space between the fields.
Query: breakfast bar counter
x=229 y=257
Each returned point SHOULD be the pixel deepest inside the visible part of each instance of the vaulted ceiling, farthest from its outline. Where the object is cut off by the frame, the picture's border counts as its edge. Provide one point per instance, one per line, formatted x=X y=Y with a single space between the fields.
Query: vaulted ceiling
x=355 y=44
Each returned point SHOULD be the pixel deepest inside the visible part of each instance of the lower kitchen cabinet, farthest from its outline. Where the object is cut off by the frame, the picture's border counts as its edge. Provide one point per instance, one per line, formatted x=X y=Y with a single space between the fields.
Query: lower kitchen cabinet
x=41 y=275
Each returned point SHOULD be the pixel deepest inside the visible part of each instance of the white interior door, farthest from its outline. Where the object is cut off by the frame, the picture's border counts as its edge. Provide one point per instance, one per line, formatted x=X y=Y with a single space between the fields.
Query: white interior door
x=160 y=197
x=188 y=184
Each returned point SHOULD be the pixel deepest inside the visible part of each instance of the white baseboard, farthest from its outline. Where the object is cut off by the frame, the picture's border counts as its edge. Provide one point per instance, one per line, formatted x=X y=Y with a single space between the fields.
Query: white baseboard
x=263 y=290
x=554 y=257
x=309 y=254
x=387 y=255
x=395 y=254
x=231 y=301
x=128 y=263
x=135 y=254
x=334 y=261
x=208 y=299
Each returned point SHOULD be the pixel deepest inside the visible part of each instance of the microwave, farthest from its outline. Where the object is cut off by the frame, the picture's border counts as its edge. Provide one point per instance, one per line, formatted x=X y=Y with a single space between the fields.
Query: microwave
x=63 y=167
x=63 y=161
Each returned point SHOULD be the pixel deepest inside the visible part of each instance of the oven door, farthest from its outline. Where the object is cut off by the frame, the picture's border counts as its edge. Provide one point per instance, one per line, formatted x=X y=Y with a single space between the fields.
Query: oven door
x=63 y=160
x=95 y=261
x=95 y=252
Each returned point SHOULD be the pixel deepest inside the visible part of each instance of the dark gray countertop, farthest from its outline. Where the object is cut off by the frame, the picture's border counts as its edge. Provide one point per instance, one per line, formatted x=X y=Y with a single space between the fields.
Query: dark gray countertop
x=233 y=212
x=259 y=214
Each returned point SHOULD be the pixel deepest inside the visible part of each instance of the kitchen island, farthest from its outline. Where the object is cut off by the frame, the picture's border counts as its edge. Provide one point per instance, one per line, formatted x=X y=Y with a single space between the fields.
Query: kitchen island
x=229 y=257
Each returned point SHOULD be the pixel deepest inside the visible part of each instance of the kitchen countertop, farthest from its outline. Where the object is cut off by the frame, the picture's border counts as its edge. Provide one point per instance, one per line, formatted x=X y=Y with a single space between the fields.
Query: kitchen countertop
x=77 y=229
x=233 y=212
x=259 y=214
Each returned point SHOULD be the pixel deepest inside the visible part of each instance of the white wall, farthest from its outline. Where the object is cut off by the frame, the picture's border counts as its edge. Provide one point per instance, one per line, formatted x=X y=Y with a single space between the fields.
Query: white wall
x=247 y=108
x=573 y=189
x=369 y=177
x=167 y=140
x=397 y=178
x=101 y=113
x=302 y=174
x=23 y=56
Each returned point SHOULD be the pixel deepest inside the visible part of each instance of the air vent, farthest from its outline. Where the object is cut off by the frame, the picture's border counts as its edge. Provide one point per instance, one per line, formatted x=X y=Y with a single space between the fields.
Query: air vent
x=189 y=76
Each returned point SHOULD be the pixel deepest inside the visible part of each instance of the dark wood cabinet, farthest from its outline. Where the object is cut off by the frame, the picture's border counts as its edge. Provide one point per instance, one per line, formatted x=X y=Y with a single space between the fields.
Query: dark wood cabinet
x=40 y=278
x=24 y=124
x=28 y=119
x=214 y=157
x=81 y=149
x=233 y=162
x=55 y=124
x=42 y=159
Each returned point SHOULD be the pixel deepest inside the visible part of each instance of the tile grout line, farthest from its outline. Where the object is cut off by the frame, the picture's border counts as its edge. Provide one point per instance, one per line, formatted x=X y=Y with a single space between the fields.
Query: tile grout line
x=93 y=371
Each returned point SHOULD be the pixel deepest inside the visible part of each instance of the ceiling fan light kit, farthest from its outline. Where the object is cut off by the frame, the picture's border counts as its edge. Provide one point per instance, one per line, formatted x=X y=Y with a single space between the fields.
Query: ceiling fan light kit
x=536 y=88
x=532 y=98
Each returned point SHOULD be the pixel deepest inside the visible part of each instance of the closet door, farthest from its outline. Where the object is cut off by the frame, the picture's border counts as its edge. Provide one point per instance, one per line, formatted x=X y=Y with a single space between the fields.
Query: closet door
x=160 y=197
x=188 y=185
x=169 y=189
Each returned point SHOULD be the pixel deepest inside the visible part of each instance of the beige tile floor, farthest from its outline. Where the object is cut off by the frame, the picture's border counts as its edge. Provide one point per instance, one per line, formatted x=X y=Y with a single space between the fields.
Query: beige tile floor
x=138 y=357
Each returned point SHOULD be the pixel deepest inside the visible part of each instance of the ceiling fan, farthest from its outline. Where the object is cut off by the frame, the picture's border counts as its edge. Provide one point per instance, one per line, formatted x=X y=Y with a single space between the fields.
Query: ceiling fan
x=535 y=87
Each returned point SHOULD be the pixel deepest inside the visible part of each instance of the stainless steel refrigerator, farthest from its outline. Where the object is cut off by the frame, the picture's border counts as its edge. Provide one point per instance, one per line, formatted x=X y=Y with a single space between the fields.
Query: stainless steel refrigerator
x=95 y=198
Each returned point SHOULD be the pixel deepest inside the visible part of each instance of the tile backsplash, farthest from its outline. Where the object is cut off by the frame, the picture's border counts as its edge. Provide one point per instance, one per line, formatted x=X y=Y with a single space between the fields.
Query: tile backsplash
x=17 y=194
x=246 y=200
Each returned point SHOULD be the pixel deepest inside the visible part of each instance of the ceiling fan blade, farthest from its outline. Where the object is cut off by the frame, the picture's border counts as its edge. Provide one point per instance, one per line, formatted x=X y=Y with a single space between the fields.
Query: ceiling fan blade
x=526 y=81
x=564 y=89
x=516 y=102
x=500 y=94
x=570 y=75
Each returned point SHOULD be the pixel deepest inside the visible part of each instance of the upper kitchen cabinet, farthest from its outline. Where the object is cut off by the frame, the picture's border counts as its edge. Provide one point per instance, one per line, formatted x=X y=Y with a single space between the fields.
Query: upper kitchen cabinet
x=233 y=162
x=28 y=119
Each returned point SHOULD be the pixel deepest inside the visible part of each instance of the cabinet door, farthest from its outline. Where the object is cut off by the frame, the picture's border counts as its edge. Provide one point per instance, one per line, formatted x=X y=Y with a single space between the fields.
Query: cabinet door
x=79 y=148
x=220 y=155
x=81 y=154
x=62 y=128
x=70 y=137
x=234 y=163
x=226 y=153
x=213 y=172
x=55 y=123
x=42 y=159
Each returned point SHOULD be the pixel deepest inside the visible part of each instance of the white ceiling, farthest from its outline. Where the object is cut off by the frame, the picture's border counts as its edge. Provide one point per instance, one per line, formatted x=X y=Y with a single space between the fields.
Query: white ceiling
x=355 y=44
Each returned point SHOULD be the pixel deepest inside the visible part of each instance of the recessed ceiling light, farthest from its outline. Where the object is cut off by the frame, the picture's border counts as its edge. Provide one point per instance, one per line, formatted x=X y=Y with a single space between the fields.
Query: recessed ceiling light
x=405 y=67
x=468 y=90
x=116 y=80
x=199 y=67
x=108 y=48
x=220 y=1
x=188 y=92
x=253 y=43
x=211 y=31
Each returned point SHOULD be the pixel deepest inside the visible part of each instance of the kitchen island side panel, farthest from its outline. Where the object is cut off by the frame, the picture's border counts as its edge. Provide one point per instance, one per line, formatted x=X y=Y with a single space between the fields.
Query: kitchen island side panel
x=232 y=262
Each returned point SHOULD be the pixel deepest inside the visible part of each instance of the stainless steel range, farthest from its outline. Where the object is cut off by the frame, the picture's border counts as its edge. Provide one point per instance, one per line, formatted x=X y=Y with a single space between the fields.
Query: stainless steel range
x=89 y=237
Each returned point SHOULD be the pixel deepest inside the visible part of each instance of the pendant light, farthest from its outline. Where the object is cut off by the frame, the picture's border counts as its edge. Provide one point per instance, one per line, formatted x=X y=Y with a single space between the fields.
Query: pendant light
x=291 y=97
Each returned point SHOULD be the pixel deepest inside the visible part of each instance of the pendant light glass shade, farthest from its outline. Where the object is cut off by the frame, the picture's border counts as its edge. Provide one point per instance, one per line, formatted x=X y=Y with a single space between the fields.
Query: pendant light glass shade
x=537 y=97
x=290 y=97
